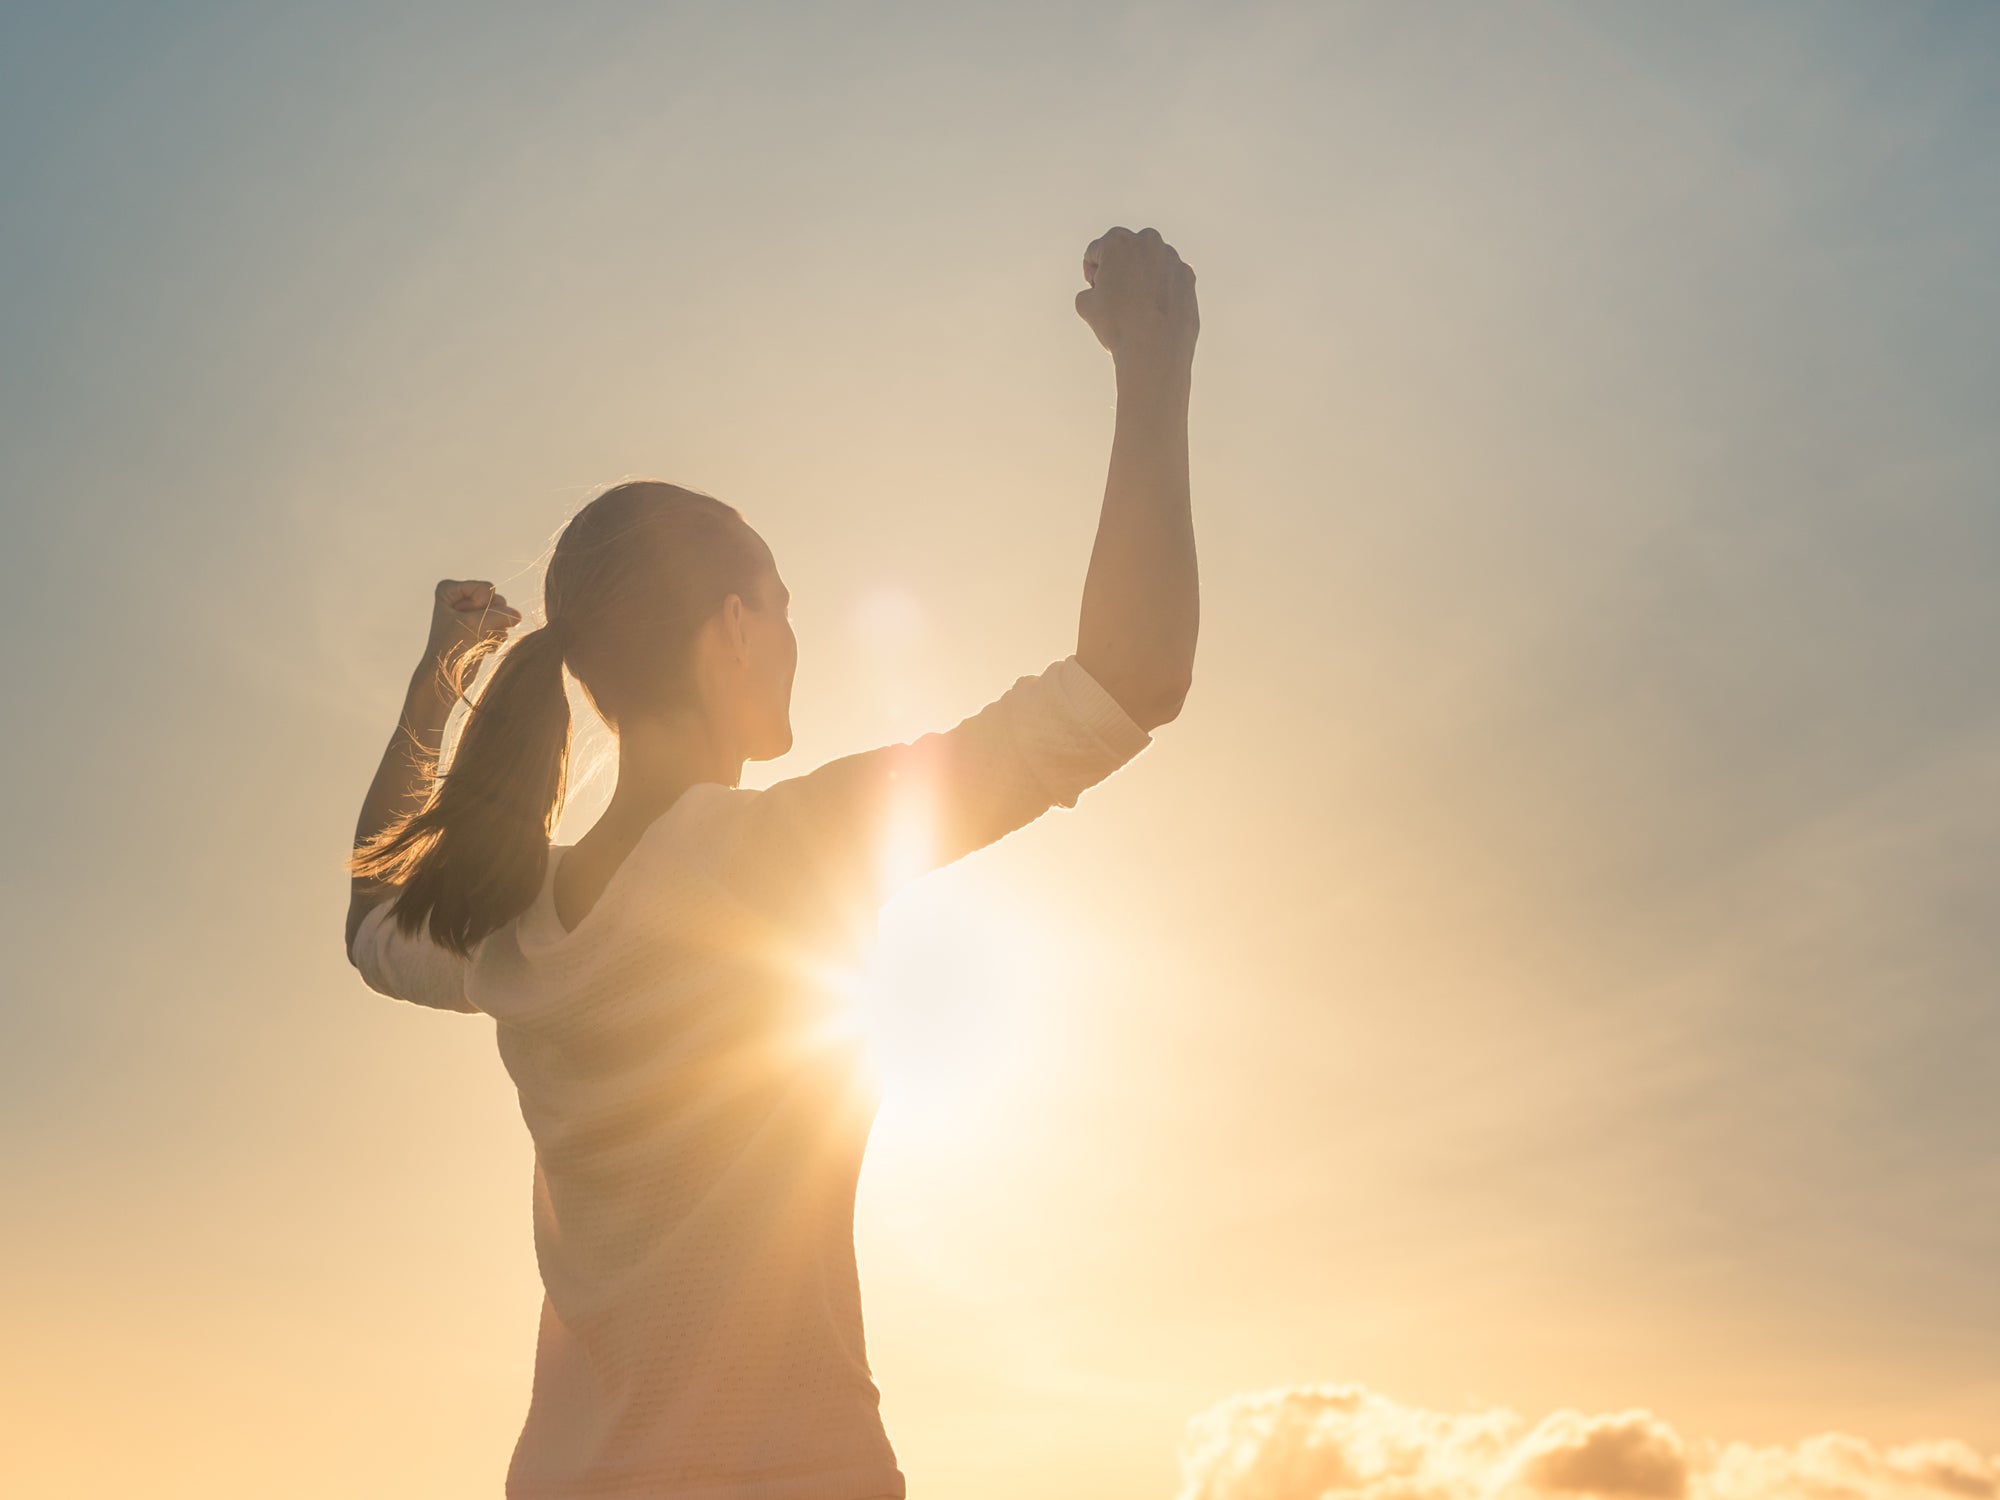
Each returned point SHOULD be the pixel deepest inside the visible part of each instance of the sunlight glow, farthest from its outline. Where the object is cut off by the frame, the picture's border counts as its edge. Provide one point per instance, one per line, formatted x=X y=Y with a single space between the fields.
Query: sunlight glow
x=950 y=1010
x=908 y=837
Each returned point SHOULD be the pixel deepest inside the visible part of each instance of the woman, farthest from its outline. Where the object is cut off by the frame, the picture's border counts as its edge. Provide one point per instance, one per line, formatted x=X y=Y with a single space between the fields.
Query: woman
x=668 y=990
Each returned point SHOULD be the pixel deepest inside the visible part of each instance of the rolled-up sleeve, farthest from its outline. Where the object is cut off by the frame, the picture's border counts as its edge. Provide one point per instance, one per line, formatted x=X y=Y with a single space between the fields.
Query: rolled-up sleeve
x=857 y=829
x=408 y=966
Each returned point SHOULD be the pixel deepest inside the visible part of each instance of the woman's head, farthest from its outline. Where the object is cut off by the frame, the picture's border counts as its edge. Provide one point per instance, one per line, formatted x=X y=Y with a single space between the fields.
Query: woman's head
x=669 y=611
x=670 y=608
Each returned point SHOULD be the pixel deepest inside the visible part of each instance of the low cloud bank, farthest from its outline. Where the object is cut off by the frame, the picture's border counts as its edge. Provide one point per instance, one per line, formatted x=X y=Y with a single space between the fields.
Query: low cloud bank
x=1345 y=1442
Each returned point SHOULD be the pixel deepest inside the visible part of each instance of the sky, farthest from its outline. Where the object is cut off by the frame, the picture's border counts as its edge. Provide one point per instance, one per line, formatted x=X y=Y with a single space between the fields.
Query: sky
x=1528 y=1027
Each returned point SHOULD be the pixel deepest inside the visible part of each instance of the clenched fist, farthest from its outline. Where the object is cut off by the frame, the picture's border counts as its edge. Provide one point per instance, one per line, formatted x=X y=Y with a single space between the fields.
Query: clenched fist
x=1140 y=302
x=469 y=618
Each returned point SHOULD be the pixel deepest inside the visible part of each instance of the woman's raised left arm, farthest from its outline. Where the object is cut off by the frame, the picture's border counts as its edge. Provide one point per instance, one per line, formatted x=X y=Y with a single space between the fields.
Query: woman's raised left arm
x=468 y=619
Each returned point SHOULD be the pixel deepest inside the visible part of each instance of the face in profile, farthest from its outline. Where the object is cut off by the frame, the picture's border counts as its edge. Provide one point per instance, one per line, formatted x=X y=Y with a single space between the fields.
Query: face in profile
x=771 y=661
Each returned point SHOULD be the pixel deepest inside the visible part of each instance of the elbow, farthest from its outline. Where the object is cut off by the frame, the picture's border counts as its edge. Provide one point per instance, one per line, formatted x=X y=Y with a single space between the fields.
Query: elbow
x=1161 y=704
x=360 y=903
x=1150 y=691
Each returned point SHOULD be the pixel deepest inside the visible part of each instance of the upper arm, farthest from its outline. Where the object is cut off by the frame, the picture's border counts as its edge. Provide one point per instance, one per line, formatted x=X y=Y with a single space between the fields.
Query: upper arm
x=849 y=834
x=405 y=966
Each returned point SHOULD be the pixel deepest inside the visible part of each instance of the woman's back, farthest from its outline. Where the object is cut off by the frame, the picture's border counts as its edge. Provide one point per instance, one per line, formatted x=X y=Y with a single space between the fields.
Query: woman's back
x=699 y=1115
x=696 y=1086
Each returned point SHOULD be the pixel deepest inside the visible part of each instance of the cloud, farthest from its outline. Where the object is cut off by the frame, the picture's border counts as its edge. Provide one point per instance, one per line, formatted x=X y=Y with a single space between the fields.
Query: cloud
x=1632 y=1453
x=1345 y=1442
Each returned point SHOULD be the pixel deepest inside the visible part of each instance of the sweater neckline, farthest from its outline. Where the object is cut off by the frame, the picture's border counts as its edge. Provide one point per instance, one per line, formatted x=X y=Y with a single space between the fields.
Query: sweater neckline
x=543 y=927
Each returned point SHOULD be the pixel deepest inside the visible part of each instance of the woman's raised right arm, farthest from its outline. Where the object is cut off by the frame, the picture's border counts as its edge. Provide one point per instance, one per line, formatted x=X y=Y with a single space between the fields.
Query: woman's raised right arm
x=1141 y=599
x=845 y=837
x=857 y=828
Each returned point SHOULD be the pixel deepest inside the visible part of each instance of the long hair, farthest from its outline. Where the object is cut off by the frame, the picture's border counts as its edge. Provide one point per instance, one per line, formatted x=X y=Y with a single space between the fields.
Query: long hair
x=633 y=578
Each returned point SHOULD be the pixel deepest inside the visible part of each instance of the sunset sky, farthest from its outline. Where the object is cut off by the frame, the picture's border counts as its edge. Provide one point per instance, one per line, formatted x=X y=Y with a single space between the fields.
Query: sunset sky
x=1542 y=996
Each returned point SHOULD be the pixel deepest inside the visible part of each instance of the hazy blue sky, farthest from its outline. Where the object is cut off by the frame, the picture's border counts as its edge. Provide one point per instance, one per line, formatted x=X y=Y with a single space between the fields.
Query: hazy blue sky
x=1552 y=962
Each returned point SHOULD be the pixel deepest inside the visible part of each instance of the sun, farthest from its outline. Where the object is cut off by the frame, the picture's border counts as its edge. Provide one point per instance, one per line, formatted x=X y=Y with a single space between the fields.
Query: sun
x=949 y=1008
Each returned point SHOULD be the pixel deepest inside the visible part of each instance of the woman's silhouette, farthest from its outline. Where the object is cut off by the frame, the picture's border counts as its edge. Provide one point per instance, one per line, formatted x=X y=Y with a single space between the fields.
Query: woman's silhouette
x=667 y=990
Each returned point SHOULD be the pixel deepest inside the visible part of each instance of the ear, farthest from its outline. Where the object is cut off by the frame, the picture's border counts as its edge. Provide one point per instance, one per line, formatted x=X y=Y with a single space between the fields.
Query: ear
x=734 y=632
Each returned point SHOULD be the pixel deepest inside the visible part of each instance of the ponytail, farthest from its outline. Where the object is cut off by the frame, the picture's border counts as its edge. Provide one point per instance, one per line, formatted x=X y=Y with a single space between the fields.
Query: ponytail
x=633 y=577
x=473 y=857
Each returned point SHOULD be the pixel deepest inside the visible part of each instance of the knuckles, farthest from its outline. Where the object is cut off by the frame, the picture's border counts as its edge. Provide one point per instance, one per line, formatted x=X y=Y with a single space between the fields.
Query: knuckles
x=1142 y=265
x=1118 y=242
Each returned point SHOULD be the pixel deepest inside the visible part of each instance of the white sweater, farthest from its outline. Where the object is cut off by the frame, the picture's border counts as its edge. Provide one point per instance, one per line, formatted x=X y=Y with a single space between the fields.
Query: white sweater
x=699 y=1102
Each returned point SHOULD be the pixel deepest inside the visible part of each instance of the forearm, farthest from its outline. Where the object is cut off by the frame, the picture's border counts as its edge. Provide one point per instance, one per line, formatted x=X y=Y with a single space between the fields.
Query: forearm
x=1141 y=598
x=399 y=780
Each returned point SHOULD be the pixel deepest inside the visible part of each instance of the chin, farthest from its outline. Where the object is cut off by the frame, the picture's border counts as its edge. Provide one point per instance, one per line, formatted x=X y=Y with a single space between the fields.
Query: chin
x=780 y=744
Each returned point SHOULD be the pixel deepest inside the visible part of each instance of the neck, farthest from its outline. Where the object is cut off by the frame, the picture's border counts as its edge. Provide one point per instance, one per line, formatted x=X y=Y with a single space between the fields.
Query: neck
x=659 y=760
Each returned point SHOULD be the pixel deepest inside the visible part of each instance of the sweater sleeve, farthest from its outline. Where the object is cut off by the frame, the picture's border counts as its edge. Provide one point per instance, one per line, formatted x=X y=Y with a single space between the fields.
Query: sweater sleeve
x=408 y=966
x=847 y=836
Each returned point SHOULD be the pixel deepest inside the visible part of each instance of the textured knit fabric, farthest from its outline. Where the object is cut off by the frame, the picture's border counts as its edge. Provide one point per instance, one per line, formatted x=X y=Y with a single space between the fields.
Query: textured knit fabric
x=696 y=1088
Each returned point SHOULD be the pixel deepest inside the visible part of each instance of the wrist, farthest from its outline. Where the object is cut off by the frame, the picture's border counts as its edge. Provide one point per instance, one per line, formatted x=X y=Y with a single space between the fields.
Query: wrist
x=1149 y=373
